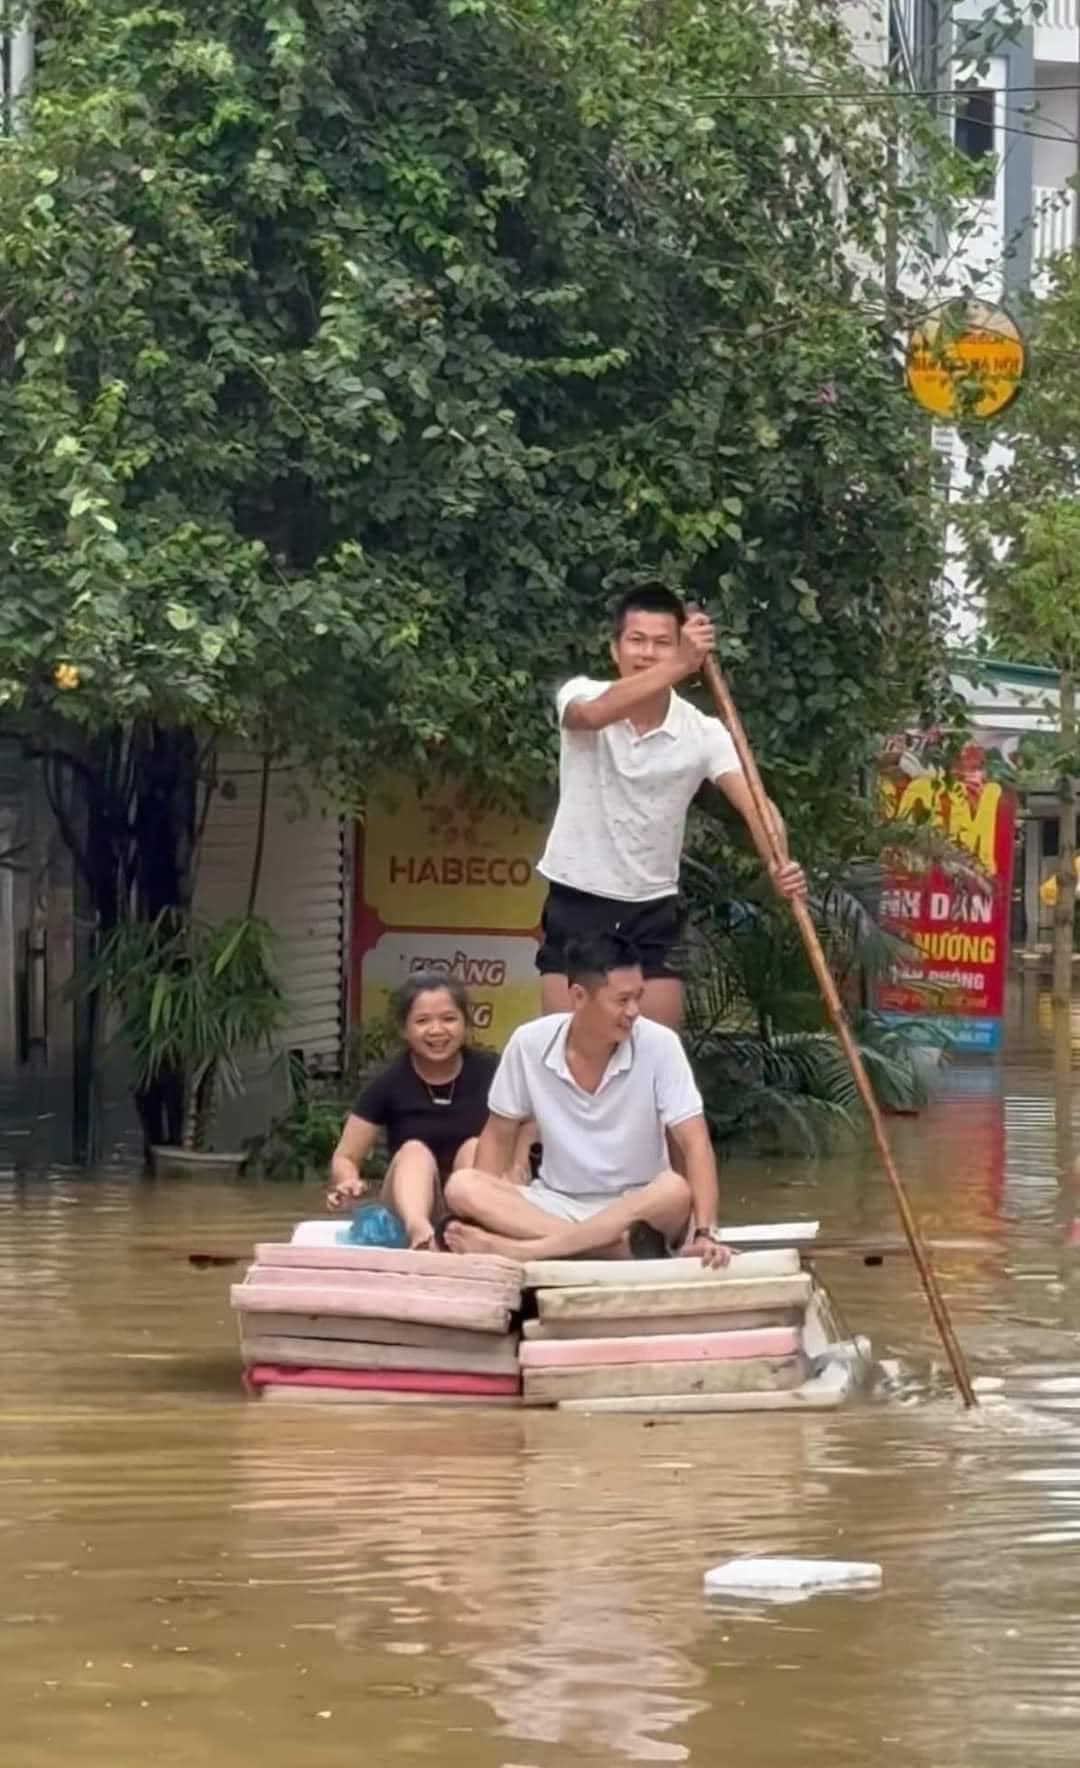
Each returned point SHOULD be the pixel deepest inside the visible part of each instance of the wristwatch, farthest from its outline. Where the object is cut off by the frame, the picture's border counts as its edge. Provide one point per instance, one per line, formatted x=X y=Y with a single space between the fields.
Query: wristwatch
x=712 y=1234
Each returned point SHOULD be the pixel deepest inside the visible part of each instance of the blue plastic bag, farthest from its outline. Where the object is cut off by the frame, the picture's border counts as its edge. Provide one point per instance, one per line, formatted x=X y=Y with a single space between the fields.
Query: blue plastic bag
x=374 y=1225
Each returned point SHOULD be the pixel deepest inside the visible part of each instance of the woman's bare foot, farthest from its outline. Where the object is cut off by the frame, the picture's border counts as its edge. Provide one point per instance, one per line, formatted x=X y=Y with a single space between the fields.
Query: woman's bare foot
x=421 y=1235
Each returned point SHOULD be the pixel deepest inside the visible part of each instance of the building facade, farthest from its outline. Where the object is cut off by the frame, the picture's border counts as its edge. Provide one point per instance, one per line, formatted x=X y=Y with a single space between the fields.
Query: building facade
x=1007 y=702
x=62 y=1102
x=1007 y=91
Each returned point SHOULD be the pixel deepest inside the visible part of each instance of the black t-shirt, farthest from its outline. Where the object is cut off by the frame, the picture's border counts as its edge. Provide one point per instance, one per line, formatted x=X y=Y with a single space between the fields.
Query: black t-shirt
x=407 y=1109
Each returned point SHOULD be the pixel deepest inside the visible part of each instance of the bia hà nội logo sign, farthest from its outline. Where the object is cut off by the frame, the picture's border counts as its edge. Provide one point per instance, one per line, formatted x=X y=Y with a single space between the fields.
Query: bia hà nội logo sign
x=965 y=362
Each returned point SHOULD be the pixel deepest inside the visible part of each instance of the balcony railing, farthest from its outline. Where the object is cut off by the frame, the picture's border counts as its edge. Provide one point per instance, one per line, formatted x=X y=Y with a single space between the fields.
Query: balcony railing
x=1061 y=15
x=1054 y=218
x=1057 y=32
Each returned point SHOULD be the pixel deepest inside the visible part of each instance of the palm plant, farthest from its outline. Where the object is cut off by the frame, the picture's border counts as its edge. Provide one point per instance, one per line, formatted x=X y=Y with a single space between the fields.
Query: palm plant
x=190 y=999
x=769 y=1070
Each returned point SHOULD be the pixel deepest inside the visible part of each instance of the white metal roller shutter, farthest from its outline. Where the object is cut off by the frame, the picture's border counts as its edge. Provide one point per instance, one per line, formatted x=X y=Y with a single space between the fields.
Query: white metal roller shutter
x=301 y=890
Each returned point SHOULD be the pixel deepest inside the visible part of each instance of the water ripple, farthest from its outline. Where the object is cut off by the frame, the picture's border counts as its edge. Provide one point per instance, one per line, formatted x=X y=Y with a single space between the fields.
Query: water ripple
x=188 y=1577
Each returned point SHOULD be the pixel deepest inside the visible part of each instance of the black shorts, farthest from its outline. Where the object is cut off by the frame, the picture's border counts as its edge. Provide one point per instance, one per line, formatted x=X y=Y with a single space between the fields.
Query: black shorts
x=656 y=929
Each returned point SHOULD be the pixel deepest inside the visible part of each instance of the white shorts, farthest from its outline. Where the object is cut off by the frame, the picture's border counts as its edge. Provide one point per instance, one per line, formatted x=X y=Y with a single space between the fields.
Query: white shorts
x=572 y=1209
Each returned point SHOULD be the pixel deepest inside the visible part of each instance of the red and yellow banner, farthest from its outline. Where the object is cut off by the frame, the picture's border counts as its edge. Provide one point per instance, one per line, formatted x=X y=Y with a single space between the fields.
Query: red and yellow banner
x=960 y=936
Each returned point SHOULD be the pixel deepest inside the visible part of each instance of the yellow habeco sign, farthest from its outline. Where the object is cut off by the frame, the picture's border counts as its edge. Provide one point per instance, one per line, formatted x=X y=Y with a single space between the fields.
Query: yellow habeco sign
x=965 y=361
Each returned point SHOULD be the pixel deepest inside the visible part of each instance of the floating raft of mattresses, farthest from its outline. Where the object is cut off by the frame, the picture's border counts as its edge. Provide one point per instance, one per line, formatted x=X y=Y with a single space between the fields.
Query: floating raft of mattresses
x=367 y=1324
x=666 y=1335
x=319 y=1319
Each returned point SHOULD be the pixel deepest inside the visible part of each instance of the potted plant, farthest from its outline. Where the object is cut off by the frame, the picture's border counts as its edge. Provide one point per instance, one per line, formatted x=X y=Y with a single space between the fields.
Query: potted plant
x=191 y=998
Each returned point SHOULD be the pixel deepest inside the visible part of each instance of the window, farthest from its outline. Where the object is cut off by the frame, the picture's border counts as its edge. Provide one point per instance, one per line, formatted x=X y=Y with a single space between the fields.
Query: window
x=1050 y=828
x=975 y=134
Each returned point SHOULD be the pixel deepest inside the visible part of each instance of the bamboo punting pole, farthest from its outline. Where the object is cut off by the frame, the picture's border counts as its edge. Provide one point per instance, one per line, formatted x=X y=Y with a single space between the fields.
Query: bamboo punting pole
x=725 y=705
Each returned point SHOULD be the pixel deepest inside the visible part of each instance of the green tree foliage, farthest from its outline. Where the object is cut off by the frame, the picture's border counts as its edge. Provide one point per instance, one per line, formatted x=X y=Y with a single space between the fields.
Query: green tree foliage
x=356 y=352
x=1022 y=528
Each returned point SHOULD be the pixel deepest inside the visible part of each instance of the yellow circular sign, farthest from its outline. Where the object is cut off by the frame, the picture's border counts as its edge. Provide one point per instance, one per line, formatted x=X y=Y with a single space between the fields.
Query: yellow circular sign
x=965 y=361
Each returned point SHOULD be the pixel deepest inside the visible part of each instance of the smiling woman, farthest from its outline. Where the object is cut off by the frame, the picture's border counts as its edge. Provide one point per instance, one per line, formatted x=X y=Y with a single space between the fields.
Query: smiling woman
x=431 y=1102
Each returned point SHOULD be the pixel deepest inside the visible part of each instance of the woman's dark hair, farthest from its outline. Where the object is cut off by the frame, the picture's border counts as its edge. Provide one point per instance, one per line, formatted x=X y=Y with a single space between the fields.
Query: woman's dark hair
x=424 y=982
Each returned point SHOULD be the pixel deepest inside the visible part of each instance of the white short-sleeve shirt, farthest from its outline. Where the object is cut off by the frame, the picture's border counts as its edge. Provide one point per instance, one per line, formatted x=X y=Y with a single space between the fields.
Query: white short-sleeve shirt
x=607 y=1142
x=624 y=798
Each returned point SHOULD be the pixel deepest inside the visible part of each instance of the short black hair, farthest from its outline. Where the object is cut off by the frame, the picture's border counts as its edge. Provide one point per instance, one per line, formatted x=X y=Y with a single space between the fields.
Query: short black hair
x=591 y=960
x=653 y=599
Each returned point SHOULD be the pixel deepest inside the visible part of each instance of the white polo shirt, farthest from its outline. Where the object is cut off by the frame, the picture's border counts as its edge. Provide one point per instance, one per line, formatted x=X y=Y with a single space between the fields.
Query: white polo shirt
x=600 y=1143
x=623 y=798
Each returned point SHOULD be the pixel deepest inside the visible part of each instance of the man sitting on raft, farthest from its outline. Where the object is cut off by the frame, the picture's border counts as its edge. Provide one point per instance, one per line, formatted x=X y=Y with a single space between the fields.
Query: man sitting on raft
x=431 y=1102
x=605 y=1087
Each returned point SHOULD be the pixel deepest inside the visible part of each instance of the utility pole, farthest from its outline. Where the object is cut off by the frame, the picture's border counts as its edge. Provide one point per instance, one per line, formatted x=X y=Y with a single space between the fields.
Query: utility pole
x=16 y=66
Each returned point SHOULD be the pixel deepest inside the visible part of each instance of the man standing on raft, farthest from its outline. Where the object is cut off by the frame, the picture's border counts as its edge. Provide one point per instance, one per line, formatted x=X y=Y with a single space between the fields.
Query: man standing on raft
x=633 y=754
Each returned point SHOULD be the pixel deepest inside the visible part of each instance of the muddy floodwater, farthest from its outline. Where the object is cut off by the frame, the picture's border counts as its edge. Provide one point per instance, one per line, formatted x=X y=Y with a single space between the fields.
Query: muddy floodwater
x=189 y=1578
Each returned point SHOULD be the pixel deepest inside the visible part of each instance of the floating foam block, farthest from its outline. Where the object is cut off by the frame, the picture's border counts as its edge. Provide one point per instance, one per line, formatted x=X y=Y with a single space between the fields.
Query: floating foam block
x=772 y=1234
x=382 y=1283
x=275 y=1393
x=488 y=1355
x=357 y=1330
x=680 y=1347
x=447 y=1266
x=789 y=1579
x=600 y=1301
x=474 y=1311
x=547 y=1387
x=821 y=1393
x=383 y=1380
x=765 y=1234
x=642 y=1326
x=555 y=1273
x=323 y=1233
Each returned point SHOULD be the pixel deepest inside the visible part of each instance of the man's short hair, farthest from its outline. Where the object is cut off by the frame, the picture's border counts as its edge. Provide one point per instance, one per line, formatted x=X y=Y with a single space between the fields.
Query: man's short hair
x=590 y=961
x=653 y=599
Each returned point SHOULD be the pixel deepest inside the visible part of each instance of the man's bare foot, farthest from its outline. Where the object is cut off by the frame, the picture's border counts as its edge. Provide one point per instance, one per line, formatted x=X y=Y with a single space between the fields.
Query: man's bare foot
x=463 y=1237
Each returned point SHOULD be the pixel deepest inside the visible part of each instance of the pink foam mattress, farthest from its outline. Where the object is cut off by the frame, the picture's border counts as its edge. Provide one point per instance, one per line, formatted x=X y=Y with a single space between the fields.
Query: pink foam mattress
x=382 y=1380
x=676 y=1347
x=473 y=1307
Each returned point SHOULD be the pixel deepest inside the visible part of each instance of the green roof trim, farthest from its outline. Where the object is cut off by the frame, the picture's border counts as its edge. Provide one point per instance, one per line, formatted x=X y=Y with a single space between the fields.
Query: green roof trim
x=1022 y=674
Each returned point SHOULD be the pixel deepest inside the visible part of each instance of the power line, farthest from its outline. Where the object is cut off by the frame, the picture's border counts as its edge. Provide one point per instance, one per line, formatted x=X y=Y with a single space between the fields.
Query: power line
x=879 y=95
x=1067 y=137
x=1060 y=132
